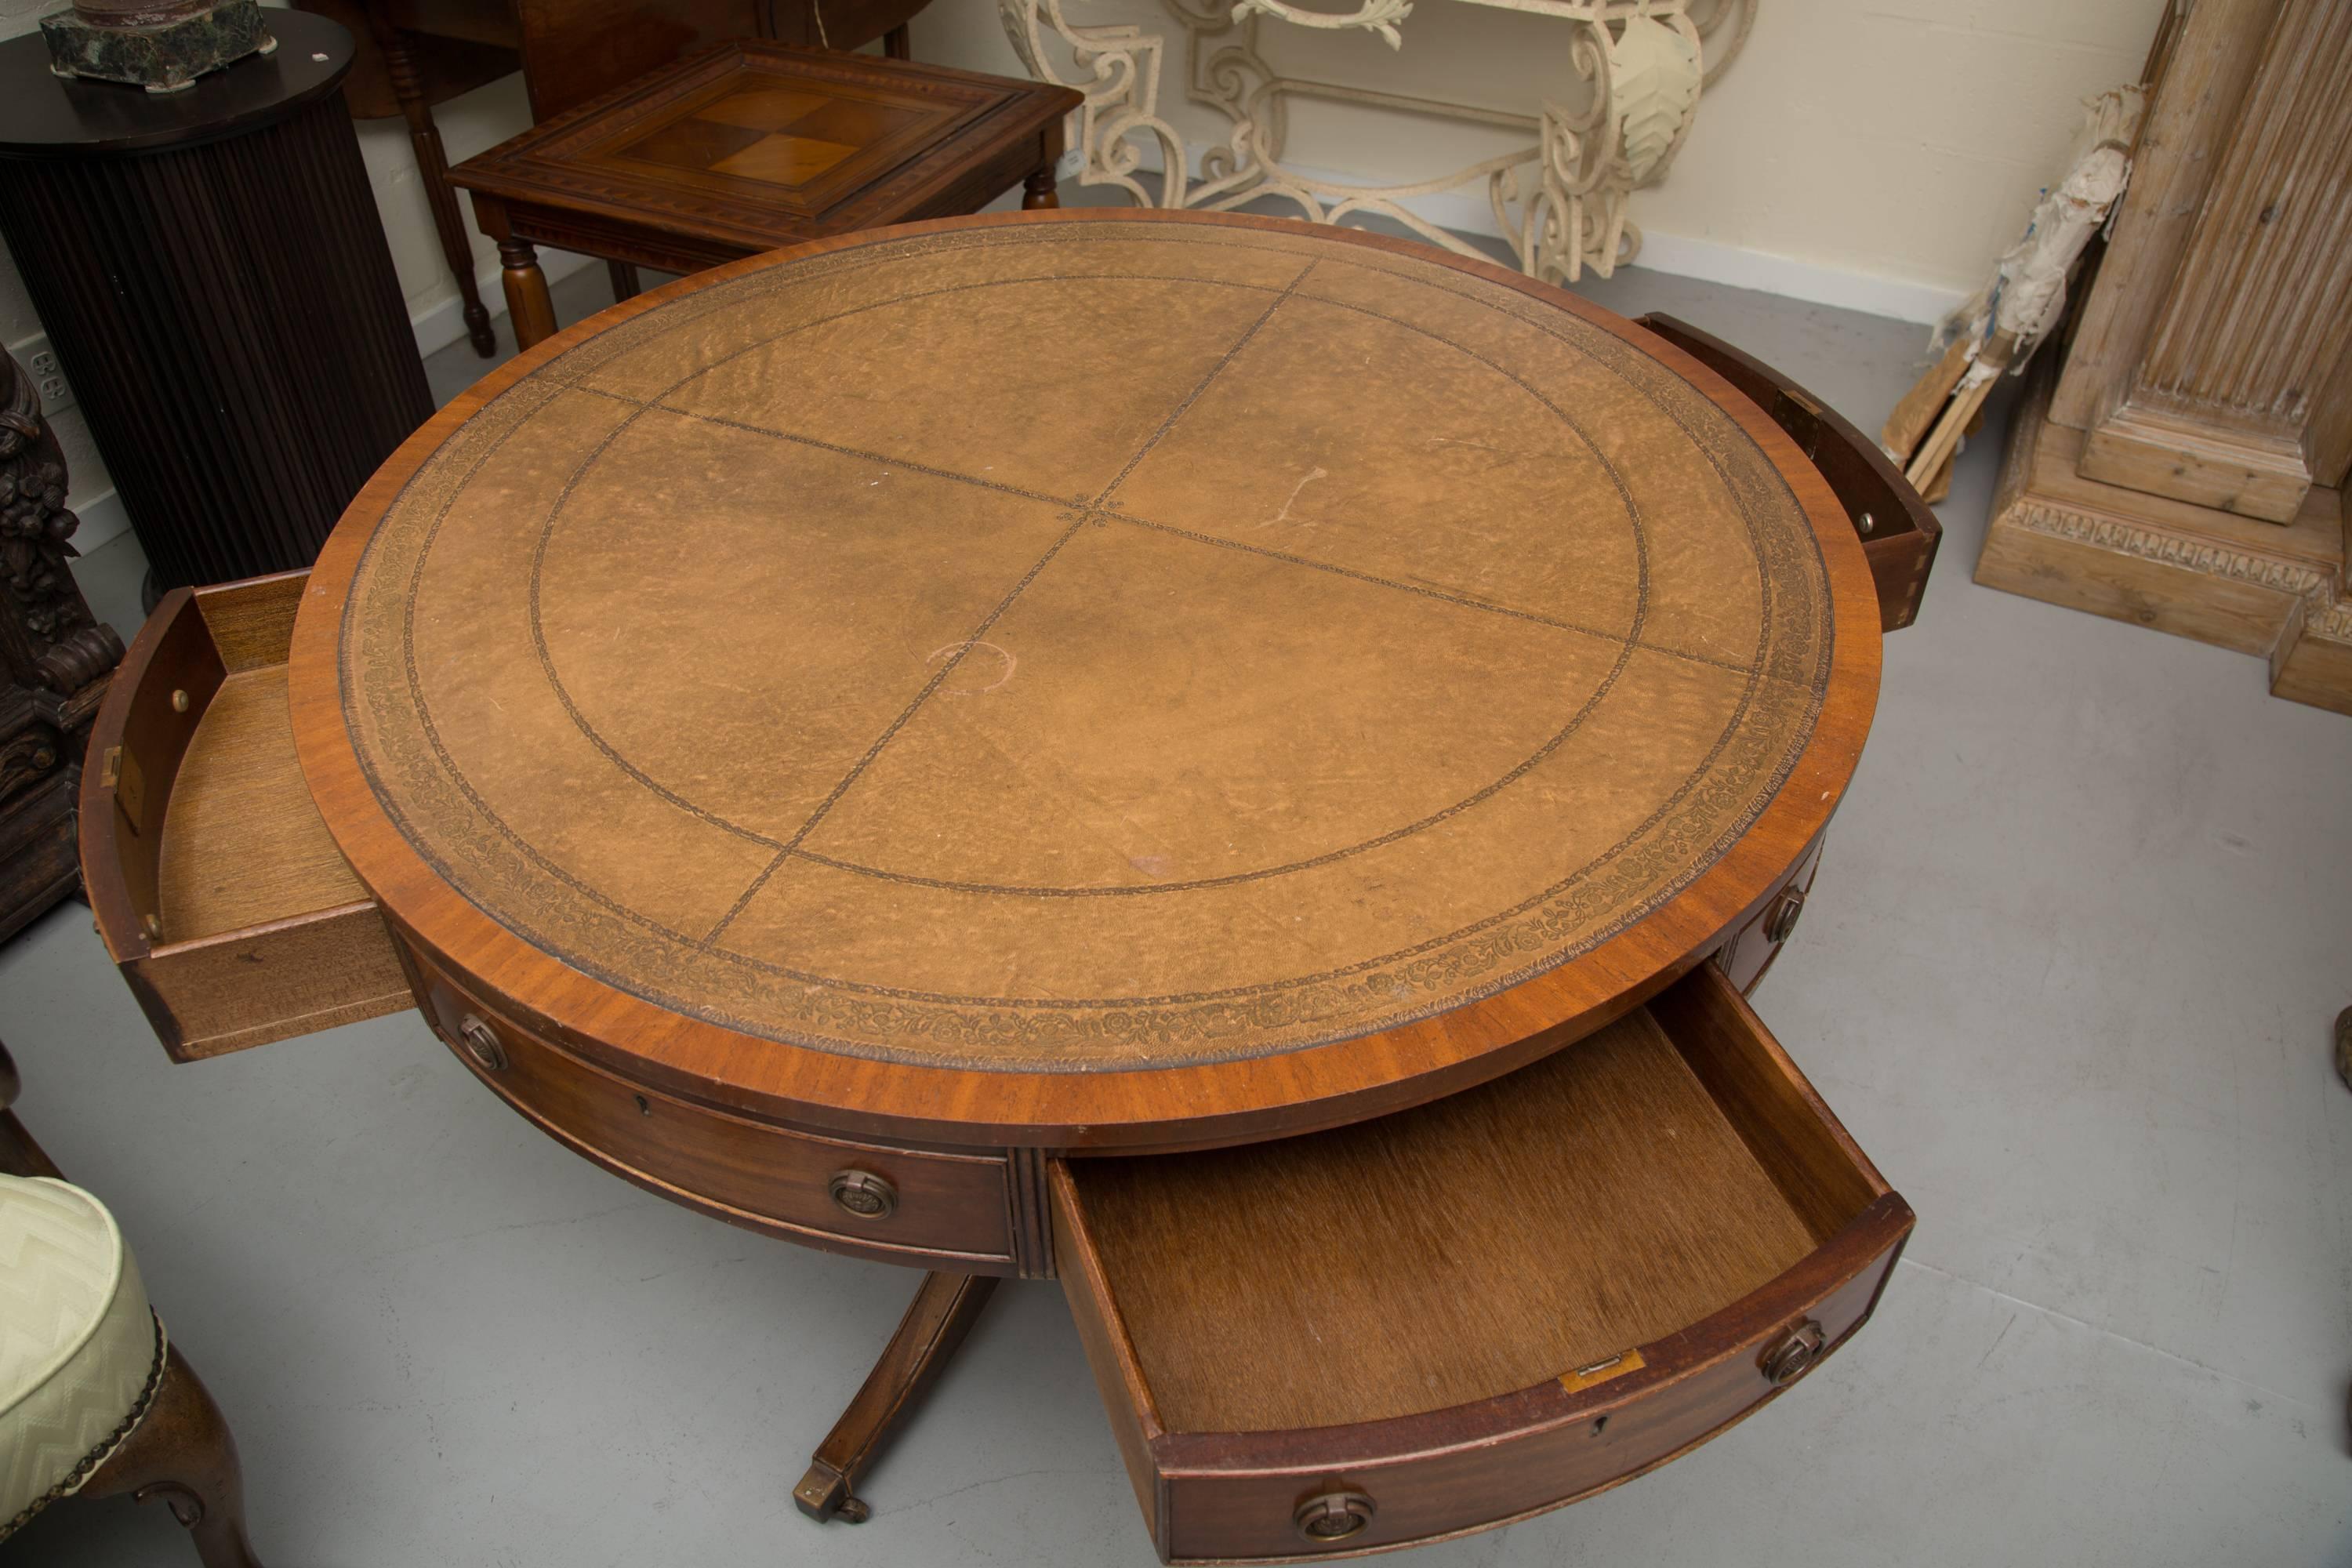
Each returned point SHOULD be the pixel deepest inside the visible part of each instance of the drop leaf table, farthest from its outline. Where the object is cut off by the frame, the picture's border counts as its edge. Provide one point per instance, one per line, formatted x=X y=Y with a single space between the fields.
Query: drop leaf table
x=1245 y=768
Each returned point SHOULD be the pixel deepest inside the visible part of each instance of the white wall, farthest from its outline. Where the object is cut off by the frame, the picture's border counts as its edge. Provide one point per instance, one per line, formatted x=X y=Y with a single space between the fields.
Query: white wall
x=1876 y=153
x=474 y=123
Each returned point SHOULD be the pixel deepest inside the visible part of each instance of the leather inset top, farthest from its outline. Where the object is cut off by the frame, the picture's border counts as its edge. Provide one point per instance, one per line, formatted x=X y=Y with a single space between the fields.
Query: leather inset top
x=1082 y=645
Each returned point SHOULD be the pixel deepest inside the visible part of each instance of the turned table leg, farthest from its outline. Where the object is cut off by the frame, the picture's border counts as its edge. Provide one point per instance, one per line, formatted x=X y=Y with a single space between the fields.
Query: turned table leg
x=184 y=1453
x=944 y=1310
x=529 y=306
x=1038 y=190
x=432 y=167
x=625 y=280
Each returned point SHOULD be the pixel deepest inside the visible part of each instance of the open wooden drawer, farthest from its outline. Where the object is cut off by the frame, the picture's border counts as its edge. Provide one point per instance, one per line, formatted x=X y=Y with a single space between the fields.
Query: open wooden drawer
x=1456 y=1316
x=1899 y=532
x=216 y=886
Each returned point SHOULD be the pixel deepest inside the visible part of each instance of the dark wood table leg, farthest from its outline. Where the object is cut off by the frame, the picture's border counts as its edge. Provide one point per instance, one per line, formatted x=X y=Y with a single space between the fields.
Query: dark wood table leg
x=529 y=306
x=184 y=1453
x=432 y=166
x=943 y=1312
x=1039 y=190
x=625 y=280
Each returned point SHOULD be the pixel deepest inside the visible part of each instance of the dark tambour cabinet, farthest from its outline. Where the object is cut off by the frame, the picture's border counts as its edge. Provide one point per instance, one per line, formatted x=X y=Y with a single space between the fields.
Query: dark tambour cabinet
x=211 y=270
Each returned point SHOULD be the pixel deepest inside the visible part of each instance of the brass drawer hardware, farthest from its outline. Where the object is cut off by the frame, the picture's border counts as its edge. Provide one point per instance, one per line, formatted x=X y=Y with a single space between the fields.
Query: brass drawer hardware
x=863 y=1194
x=1784 y=918
x=1794 y=1354
x=1332 y=1516
x=1601 y=1371
x=481 y=1043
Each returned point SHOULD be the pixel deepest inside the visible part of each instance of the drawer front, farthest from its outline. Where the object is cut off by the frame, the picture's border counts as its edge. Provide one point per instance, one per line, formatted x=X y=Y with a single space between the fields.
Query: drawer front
x=1240 y=1496
x=947 y=1210
x=1754 y=946
x=1899 y=532
x=215 y=884
x=1445 y=1319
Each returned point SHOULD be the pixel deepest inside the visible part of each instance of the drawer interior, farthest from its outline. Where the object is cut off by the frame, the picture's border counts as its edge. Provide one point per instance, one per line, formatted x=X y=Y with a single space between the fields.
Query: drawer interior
x=216 y=886
x=242 y=844
x=1600 y=1201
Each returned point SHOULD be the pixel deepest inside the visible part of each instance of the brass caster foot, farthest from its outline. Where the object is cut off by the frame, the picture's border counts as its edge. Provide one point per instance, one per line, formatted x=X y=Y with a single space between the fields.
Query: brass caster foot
x=823 y=1495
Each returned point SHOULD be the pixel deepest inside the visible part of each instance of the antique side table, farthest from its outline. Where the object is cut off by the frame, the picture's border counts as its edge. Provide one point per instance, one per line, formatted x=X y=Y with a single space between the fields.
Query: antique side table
x=1244 y=767
x=749 y=145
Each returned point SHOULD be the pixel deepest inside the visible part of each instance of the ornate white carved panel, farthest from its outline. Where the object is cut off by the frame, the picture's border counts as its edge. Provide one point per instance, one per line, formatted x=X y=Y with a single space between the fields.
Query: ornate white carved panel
x=1639 y=66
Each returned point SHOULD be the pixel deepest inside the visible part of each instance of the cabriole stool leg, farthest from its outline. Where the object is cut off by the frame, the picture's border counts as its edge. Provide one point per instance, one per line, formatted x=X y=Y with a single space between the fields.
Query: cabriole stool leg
x=944 y=1310
x=184 y=1454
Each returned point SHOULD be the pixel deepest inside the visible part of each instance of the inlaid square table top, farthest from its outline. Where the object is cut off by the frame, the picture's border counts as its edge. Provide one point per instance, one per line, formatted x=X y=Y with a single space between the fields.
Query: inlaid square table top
x=765 y=144
x=1072 y=646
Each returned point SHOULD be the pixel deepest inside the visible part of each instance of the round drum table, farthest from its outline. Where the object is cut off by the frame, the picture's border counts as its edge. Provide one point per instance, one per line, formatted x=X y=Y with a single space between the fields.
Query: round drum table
x=1114 y=746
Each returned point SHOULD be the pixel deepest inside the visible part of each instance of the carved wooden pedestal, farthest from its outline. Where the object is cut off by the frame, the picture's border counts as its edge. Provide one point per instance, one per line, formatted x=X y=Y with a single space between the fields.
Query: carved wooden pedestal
x=2184 y=469
x=53 y=663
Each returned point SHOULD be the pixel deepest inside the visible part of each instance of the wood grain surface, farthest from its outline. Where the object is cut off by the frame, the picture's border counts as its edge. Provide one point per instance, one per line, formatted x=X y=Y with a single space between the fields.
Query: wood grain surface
x=951 y=1209
x=244 y=845
x=1594 y=1202
x=1316 y=675
x=211 y=879
x=1479 y=1309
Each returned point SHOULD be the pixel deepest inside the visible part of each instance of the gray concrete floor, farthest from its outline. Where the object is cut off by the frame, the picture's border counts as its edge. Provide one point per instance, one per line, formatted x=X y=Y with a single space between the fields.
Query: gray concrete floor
x=2068 y=973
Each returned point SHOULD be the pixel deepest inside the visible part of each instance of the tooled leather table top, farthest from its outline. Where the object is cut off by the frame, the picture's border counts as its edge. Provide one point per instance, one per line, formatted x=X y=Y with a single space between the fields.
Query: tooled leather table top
x=1063 y=647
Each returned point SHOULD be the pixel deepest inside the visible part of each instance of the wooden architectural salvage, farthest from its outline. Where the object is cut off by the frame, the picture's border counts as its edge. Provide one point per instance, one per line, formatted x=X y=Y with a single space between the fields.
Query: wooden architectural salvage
x=54 y=662
x=2183 y=469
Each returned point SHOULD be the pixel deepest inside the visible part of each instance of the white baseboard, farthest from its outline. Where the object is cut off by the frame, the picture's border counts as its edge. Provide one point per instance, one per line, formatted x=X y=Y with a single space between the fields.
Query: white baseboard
x=443 y=322
x=104 y=519
x=1467 y=211
x=1816 y=284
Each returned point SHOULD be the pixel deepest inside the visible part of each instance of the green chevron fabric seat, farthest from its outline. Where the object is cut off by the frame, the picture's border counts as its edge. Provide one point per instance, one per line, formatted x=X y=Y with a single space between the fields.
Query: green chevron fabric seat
x=80 y=1351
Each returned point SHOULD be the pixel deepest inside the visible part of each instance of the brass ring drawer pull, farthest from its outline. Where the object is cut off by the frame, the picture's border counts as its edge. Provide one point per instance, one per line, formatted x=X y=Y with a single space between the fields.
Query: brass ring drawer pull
x=1795 y=1353
x=482 y=1044
x=863 y=1194
x=1332 y=1516
x=1782 y=921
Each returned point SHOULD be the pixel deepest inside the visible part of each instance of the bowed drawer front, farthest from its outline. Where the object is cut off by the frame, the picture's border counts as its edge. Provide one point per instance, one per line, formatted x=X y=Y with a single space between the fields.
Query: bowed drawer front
x=935 y=1208
x=1452 y=1317
x=215 y=884
x=1899 y=532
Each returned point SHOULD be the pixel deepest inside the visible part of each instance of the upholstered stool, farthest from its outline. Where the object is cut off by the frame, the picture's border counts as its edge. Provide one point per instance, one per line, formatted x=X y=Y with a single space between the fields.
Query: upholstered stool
x=81 y=1353
x=93 y=1400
